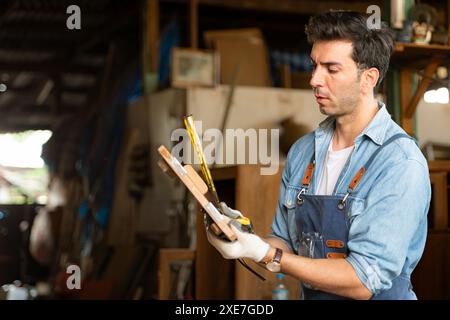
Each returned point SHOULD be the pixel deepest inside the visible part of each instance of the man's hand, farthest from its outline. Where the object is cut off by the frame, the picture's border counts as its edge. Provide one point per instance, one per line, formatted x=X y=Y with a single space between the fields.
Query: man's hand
x=245 y=223
x=232 y=213
x=247 y=245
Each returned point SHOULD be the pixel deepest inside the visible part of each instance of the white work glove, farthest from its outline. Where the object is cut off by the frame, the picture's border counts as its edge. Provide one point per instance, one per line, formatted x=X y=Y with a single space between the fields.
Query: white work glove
x=231 y=213
x=246 y=245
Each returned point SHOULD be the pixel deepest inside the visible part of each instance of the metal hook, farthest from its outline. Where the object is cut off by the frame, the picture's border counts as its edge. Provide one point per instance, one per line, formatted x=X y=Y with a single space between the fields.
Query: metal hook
x=300 y=199
x=341 y=204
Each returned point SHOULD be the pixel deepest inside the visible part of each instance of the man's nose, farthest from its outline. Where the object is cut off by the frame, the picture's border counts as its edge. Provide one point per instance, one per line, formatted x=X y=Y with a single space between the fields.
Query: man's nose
x=317 y=79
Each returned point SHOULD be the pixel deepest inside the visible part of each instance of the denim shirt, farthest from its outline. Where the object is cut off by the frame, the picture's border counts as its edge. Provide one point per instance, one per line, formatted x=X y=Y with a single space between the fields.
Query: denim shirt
x=388 y=217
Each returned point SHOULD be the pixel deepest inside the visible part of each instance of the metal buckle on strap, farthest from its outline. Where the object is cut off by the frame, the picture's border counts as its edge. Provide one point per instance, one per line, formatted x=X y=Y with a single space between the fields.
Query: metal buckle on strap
x=300 y=199
x=341 y=204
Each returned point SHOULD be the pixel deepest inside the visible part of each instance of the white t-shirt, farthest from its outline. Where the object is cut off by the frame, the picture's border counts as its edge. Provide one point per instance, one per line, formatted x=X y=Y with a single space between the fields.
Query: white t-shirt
x=334 y=163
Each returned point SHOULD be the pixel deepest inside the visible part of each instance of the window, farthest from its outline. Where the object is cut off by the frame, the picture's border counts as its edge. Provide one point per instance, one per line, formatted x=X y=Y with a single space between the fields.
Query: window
x=23 y=175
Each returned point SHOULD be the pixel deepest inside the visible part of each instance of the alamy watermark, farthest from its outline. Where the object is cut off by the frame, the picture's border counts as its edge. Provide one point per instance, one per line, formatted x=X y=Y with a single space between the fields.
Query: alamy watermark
x=74 y=20
x=74 y=279
x=238 y=146
x=374 y=20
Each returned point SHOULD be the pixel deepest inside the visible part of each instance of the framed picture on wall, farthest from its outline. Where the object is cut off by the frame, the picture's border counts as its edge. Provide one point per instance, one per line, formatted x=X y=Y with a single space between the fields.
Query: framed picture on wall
x=191 y=67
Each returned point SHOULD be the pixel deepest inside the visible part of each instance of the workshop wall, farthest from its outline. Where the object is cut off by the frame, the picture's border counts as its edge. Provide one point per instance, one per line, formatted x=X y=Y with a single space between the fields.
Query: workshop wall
x=432 y=123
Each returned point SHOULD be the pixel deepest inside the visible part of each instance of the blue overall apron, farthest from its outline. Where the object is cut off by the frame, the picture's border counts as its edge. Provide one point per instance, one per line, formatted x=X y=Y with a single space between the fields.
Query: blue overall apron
x=323 y=230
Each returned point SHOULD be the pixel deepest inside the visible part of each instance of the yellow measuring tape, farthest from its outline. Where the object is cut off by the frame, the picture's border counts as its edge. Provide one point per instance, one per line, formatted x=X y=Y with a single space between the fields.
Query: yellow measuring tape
x=197 y=145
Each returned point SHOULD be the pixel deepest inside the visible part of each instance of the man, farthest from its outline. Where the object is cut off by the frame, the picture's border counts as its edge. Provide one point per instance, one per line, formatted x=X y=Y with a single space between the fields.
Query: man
x=351 y=219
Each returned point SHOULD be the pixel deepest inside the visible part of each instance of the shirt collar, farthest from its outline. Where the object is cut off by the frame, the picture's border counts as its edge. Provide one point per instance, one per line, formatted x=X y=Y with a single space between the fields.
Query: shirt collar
x=376 y=130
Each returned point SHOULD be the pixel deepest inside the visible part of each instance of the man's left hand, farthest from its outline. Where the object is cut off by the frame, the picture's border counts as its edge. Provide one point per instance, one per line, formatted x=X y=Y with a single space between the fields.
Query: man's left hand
x=247 y=245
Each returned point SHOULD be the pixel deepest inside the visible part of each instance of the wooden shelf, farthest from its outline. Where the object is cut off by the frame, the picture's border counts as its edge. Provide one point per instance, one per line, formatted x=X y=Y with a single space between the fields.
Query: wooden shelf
x=417 y=55
x=410 y=55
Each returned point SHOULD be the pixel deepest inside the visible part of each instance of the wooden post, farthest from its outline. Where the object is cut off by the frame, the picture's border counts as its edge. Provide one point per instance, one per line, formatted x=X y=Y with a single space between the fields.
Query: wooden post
x=150 y=46
x=56 y=103
x=286 y=76
x=448 y=18
x=405 y=95
x=153 y=32
x=193 y=27
x=440 y=200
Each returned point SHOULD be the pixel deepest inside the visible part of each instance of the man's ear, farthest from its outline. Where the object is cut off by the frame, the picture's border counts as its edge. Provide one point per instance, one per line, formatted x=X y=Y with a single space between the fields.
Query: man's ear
x=369 y=79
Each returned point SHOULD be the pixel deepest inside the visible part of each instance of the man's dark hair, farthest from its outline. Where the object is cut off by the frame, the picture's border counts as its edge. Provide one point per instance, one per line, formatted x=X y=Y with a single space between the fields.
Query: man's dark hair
x=371 y=47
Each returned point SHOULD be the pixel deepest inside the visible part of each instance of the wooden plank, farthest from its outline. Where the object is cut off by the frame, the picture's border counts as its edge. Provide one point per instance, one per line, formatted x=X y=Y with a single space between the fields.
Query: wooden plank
x=246 y=53
x=211 y=35
x=440 y=200
x=166 y=258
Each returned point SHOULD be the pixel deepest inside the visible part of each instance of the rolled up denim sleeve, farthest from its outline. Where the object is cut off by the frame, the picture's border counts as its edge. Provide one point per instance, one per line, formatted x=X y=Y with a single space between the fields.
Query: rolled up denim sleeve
x=384 y=233
x=280 y=221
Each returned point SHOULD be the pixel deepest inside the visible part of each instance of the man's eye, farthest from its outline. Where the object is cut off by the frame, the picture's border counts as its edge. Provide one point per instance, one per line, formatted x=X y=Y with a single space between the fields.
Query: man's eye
x=332 y=70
